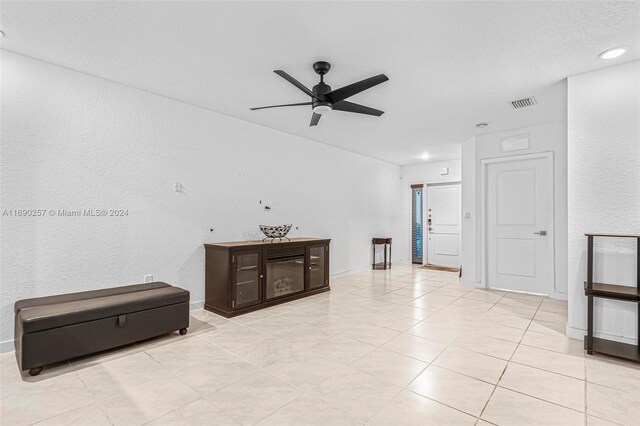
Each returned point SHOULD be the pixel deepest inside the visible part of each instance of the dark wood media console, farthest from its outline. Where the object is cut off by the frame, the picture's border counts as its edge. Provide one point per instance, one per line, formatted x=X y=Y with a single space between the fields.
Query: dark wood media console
x=245 y=276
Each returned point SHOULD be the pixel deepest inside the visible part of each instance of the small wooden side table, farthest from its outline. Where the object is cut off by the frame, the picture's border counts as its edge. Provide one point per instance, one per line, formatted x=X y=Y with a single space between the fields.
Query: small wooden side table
x=387 y=260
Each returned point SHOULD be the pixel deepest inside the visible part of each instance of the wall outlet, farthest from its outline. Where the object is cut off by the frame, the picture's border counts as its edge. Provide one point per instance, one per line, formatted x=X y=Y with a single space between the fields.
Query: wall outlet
x=148 y=278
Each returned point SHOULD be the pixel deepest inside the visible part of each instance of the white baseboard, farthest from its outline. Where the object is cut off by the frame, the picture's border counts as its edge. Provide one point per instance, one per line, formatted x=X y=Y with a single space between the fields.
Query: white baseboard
x=366 y=268
x=6 y=346
x=349 y=272
x=575 y=333
x=554 y=295
x=579 y=333
x=472 y=283
x=196 y=305
x=559 y=296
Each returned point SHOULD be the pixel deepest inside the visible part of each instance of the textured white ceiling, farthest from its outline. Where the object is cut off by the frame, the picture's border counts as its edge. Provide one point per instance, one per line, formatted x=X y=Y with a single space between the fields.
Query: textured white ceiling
x=450 y=64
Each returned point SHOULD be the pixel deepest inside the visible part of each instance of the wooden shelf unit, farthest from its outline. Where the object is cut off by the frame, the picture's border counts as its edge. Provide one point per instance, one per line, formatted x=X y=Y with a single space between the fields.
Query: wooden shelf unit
x=610 y=291
x=613 y=291
x=615 y=349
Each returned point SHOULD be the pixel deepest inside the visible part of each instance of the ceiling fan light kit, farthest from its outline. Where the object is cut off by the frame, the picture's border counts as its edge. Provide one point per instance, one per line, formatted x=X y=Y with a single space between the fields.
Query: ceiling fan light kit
x=324 y=100
x=322 y=108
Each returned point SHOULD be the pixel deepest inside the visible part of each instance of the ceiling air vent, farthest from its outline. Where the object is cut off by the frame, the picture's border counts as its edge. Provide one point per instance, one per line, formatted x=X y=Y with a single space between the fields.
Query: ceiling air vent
x=523 y=103
x=514 y=143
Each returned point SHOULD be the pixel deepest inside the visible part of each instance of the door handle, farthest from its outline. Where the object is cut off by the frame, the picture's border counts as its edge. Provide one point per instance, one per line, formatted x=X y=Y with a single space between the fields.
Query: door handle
x=541 y=233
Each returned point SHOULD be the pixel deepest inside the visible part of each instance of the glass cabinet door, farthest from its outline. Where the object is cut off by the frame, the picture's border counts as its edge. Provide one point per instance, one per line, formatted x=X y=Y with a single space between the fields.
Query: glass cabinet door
x=246 y=279
x=317 y=267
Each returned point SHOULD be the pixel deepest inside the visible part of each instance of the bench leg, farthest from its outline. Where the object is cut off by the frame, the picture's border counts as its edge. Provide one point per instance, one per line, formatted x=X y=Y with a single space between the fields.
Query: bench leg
x=183 y=331
x=35 y=371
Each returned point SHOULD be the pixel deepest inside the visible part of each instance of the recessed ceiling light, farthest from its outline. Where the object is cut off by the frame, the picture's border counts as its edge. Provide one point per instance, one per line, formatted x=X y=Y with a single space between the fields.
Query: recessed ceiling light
x=613 y=53
x=425 y=155
x=482 y=125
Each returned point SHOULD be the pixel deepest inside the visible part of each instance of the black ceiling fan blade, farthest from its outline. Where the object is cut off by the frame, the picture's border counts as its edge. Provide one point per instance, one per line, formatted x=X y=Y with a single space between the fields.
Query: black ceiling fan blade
x=295 y=83
x=357 y=108
x=314 y=119
x=278 y=106
x=352 y=89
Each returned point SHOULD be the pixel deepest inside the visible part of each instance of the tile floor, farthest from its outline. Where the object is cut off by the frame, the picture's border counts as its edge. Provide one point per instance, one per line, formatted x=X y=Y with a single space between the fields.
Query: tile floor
x=401 y=347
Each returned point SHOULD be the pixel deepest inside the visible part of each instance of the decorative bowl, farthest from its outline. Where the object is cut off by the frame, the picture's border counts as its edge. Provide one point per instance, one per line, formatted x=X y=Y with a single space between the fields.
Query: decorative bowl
x=275 y=231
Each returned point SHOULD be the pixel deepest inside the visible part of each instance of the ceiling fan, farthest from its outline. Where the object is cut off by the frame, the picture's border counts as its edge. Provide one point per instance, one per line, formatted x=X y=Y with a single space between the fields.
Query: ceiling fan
x=323 y=99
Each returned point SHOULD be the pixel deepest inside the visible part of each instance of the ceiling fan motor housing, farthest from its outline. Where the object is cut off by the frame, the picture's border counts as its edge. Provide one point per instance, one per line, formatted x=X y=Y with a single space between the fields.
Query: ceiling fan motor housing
x=320 y=89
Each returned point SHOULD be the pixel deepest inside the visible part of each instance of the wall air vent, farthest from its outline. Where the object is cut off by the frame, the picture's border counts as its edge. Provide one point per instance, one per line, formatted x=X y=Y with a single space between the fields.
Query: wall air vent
x=523 y=103
x=514 y=143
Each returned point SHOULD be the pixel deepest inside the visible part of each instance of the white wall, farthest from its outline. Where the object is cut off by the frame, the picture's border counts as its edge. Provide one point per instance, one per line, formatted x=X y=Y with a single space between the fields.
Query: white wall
x=604 y=192
x=73 y=141
x=425 y=173
x=430 y=172
x=543 y=138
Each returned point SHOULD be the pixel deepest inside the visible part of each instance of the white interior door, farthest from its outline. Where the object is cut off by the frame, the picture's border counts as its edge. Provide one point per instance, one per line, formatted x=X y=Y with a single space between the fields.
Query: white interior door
x=519 y=213
x=443 y=225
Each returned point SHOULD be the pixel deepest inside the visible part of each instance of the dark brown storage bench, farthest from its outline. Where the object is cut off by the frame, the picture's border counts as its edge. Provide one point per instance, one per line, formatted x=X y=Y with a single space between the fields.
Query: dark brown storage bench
x=56 y=328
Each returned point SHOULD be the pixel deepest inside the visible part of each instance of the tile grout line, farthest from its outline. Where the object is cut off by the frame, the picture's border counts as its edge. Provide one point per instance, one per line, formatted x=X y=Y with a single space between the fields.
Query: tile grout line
x=531 y=396
x=585 y=393
x=428 y=364
x=495 y=386
x=204 y=397
x=507 y=365
x=450 y=344
x=405 y=388
x=435 y=359
x=375 y=312
x=201 y=397
x=93 y=399
x=263 y=370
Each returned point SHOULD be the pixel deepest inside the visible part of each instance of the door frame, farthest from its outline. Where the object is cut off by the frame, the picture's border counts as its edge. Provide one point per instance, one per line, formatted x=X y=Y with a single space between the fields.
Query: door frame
x=425 y=211
x=484 y=192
